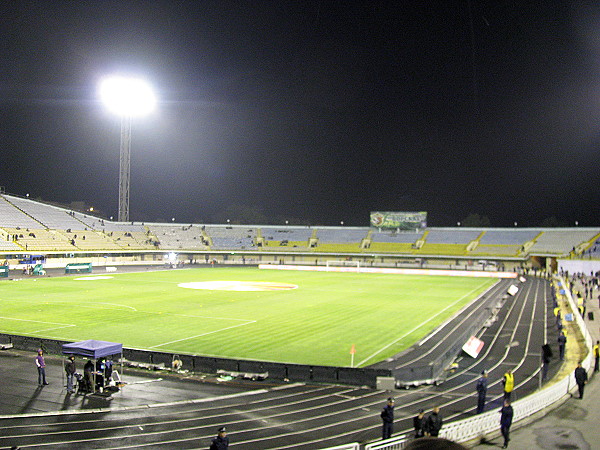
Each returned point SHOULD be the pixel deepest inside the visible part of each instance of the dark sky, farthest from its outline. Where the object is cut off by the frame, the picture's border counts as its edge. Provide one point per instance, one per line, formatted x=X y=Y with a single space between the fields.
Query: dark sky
x=319 y=111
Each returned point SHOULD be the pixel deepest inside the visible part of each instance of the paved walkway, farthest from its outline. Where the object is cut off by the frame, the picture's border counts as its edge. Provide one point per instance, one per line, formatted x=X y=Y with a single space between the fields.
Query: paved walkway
x=20 y=393
x=572 y=426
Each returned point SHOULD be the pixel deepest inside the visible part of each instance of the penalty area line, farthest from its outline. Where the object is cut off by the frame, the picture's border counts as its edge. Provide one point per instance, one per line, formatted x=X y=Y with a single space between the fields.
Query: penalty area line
x=204 y=334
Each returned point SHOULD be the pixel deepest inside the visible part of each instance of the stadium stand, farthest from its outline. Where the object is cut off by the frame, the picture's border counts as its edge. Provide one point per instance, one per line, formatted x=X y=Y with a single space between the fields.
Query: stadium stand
x=47 y=215
x=340 y=239
x=177 y=237
x=507 y=237
x=396 y=238
x=450 y=236
x=31 y=239
x=231 y=237
x=9 y=246
x=91 y=240
x=28 y=225
x=561 y=241
x=290 y=237
x=496 y=242
x=341 y=235
x=447 y=241
x=11 y=216
x=593 y=251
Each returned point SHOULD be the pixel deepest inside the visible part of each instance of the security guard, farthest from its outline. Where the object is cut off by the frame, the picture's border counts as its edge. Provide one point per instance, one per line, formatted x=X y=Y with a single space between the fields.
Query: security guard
x=509 y=383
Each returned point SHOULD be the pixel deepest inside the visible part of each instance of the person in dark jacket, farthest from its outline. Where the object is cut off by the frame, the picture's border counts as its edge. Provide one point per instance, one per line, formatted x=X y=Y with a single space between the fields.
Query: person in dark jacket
x=562 y=343
x=434 y=423
x=221 y=442
x=419 y=424
x=70 y=372
x=482 y=385
x=581 y=378
x=506 y=417
x=387 y=415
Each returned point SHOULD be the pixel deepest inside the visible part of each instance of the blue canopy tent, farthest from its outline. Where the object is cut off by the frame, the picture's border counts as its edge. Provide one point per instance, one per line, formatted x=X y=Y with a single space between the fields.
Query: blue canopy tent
x=93 y=349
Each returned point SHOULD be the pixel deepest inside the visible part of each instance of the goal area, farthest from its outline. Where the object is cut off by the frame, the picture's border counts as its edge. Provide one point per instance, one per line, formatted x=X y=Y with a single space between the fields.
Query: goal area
x=335 y=265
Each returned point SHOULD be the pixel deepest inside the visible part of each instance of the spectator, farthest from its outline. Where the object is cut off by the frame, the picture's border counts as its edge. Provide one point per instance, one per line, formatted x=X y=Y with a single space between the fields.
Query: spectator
x=41 y=367
x=581 y=378
x=506 y=417
x=596 y=351
x=562 y=343
x=88 y=376
x=387 y=415
x=419 y=423
x=70 y=371
x=434 y=423
x=482 y=385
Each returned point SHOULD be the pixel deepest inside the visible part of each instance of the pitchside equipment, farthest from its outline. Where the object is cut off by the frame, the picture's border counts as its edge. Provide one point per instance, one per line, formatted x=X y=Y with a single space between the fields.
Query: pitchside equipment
x=79 y=268
x=343 y=266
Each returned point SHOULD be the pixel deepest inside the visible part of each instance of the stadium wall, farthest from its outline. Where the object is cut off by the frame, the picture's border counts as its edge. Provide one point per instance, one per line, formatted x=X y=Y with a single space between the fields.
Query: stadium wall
x=157 y=258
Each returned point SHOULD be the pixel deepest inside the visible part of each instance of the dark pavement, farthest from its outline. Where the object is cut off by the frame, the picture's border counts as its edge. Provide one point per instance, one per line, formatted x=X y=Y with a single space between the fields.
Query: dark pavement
x=573 y=425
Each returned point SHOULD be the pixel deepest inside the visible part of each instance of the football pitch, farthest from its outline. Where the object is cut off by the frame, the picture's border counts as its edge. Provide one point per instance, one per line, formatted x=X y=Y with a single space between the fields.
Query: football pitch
x=244 y=313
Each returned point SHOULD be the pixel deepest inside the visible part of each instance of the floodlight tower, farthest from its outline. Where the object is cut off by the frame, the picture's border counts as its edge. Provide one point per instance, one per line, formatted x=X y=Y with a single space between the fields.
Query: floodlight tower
x=126 y=97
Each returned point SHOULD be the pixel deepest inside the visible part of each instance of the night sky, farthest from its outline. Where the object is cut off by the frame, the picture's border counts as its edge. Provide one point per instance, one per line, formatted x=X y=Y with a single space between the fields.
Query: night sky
x=309 y=111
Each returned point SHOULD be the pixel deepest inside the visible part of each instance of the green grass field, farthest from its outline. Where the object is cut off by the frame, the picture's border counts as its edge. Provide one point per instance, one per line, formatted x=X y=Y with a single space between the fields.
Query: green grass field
x=316 y=323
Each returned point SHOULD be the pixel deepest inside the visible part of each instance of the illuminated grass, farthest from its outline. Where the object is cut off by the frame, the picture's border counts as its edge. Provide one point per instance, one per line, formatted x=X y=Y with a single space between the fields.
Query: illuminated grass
x=316 y=323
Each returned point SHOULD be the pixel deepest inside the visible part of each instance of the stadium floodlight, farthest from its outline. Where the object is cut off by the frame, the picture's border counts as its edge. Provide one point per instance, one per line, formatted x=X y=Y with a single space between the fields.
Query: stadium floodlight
x=126 y=97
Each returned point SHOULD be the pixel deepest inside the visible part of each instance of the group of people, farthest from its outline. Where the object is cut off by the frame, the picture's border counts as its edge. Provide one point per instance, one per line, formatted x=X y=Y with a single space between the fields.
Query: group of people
x=432 y=424
x=91 y=378
x=424 y=426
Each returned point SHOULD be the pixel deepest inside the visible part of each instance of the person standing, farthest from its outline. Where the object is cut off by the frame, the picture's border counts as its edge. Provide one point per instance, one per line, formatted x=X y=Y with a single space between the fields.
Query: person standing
x=596 y=351
x=581 y=378
x=482 y=385
x=41 y=367
x=506 y=417
x=509 y=384
x=387 y=415
x=70 y=371
x=434 y=423
x=546 y=355
x=419 y=423
x=221 y=442
x=562 y=343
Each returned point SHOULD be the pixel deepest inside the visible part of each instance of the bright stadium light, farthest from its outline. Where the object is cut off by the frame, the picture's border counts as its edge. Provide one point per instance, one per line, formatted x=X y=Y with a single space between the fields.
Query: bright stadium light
x=126 y=97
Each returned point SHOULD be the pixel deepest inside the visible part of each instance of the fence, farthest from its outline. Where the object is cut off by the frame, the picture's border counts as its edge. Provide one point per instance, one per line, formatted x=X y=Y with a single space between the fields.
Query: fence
x=212 y=365
x=435 y=372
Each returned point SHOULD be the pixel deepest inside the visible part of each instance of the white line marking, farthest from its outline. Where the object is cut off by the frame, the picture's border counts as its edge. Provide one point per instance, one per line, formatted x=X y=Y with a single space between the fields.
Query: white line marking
x=54 y=328
x=416 y=328
x=202 y=317
x=204 y=334
x=111 y=304
x=38 y=321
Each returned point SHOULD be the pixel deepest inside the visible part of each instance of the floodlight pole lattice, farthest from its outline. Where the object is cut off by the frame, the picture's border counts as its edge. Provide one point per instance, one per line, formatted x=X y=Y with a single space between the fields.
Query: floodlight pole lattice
x=124 y=168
